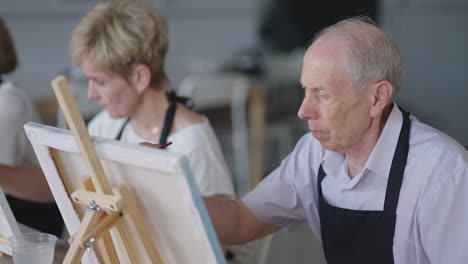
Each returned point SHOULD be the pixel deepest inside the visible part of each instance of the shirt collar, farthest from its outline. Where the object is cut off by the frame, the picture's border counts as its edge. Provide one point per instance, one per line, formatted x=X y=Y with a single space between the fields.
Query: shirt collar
x=331 y=162
x=381 y=157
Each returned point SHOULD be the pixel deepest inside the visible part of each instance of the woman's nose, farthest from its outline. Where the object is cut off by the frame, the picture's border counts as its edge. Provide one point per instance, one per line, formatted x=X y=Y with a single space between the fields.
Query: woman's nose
x=92 y=94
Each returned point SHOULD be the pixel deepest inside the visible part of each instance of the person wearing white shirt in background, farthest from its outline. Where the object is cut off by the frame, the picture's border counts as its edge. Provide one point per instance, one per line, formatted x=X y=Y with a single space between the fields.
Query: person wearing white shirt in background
x=21 y=179
x=121 y=47
x=375 y=184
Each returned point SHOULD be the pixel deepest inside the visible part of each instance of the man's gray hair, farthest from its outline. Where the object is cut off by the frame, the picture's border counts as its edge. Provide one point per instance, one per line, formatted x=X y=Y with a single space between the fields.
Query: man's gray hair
x=373 y=55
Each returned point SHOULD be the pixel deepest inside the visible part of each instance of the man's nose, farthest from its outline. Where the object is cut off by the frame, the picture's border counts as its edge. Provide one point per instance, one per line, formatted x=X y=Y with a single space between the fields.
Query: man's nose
x=308 y=110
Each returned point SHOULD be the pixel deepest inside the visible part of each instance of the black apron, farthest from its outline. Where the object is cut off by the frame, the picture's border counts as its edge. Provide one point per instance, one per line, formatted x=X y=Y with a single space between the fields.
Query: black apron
x=352 y=236
x=168 y=119
x=44 y=217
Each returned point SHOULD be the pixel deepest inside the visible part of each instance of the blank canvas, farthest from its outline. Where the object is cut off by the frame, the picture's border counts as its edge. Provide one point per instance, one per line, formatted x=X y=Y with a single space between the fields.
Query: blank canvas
x=160 y=181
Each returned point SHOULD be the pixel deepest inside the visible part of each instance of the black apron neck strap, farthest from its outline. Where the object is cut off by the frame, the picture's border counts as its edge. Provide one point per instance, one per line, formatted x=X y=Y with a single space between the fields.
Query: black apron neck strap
x=321 y=176
x=119 y=135
x=397 y=169
x=169 y=117
x=168 y=120
x=173 y=97
x=170 y=113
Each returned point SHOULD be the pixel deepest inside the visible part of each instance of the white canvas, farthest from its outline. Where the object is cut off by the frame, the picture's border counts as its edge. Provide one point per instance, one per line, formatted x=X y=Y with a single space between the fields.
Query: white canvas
x=8 y=224
x=160 y=181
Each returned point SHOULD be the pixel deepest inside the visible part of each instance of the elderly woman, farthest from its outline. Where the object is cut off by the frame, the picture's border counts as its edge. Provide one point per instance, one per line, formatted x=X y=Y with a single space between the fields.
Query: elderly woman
x=121 y=47
x=27 y=191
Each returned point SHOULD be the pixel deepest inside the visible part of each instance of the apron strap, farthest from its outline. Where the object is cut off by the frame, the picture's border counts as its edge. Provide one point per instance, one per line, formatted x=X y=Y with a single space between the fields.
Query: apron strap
x=395 y=178
x=397 y=169
x=168 y=120
x=119 y=135
x=186 y=101
x=169 y=117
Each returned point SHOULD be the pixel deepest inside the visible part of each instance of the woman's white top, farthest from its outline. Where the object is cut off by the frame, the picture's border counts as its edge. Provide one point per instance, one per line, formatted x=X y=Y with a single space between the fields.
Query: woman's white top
x=16 y=109
x=197 y=142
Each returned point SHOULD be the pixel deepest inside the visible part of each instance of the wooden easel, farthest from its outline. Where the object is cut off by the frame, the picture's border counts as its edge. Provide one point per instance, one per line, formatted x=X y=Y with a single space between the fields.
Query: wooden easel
x=111 y=210
x=13 y=227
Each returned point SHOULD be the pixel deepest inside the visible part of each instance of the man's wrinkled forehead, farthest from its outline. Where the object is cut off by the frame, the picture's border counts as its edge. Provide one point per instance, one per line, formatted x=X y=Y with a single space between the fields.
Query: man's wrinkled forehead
x=328 y=52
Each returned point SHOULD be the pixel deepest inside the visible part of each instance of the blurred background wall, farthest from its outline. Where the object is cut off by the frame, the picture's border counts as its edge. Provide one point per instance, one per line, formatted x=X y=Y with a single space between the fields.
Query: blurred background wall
x=203 y=33
x=207 y=33
x=433 y=37
x=265 y=40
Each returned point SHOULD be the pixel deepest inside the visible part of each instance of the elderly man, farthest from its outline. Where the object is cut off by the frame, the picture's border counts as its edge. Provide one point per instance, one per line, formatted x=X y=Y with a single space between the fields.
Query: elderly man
x=375 y=184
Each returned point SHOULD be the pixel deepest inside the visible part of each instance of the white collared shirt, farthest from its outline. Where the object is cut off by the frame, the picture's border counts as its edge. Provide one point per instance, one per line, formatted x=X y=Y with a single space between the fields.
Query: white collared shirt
x=198 y=142
x=432 y=211
x=16 y=109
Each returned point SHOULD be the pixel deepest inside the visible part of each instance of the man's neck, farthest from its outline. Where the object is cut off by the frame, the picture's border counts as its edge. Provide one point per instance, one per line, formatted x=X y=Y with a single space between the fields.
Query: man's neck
x=358 y=155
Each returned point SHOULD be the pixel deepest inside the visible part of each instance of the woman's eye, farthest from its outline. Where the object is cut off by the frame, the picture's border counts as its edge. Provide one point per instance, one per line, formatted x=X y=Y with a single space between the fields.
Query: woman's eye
x=99 y=82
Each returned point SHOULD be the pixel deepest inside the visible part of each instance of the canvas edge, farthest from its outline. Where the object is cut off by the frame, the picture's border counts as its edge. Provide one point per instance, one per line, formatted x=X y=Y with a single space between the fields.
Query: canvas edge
x=10 y=219
x=203 y=213
x=57 y=187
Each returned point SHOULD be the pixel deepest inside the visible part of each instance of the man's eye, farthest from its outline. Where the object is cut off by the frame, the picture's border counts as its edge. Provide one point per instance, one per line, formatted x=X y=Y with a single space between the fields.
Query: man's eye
x=323 y=98
x=321 y=95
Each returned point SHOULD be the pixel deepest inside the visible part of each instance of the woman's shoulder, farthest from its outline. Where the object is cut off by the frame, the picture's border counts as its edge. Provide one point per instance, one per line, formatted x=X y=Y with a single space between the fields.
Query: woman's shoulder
x=9 y=94
x=15 y=102
x=185 y=118
x=195 y=136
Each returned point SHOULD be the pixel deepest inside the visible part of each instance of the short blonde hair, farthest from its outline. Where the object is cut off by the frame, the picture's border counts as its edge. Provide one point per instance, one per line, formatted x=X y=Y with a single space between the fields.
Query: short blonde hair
x=8 y=59
x=118 y=35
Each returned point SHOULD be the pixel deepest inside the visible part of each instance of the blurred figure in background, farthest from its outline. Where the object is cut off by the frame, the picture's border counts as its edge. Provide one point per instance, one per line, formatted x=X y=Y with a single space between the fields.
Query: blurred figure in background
x=27 y=190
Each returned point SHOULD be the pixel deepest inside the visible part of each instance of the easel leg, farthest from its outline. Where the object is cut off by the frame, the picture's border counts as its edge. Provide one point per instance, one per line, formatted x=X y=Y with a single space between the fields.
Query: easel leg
x=123 y=236
x=105 y=249
x=75 y=252
x=134 y=212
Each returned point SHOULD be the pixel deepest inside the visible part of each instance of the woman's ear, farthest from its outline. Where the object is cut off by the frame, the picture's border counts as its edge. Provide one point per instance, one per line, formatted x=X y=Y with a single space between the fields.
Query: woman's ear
x=141 y=77
x=381 y=95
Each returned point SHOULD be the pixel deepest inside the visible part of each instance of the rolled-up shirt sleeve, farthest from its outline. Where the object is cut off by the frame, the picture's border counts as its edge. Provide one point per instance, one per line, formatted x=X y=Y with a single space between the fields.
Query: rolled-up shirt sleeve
x=282 y=198
x=275 y=201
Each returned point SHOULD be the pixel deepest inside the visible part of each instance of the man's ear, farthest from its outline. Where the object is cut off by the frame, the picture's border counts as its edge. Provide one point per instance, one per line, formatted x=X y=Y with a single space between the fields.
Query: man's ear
x=381 y=95
x=141 y=78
